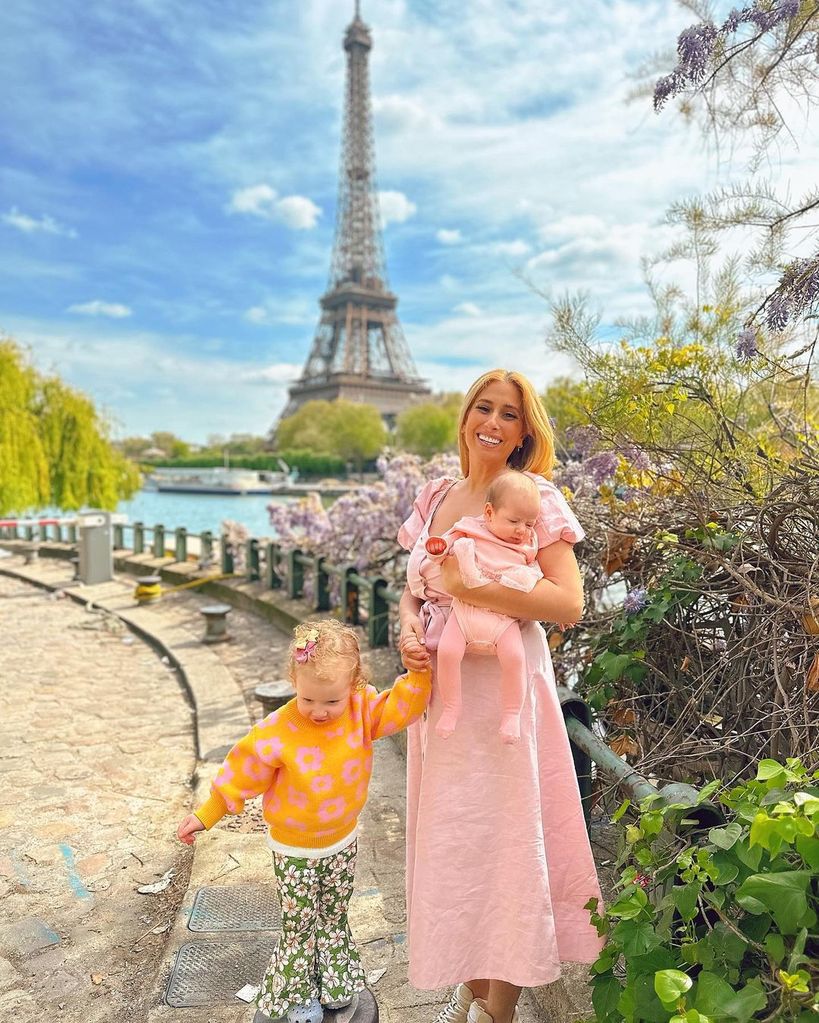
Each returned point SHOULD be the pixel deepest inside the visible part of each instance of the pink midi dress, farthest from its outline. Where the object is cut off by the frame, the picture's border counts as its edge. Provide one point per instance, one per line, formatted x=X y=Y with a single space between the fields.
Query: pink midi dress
x=499 y=866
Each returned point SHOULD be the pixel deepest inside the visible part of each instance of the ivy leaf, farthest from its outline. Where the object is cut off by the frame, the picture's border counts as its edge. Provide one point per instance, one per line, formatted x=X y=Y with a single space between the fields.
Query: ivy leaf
x=635 y=939
x=808 y=849
x=605 y=996
x=727 y=837
x=716 y=998
x=782 y=894
x=671 y=985
x=685 y=897
x=621 y=809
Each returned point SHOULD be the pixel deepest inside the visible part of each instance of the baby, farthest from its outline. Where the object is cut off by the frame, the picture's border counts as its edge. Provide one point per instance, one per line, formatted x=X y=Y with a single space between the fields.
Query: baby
x=499 y=546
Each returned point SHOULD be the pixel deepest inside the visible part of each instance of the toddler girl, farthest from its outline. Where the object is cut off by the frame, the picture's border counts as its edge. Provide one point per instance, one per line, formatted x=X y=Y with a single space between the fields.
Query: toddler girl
x=311 y=762
x=499 y=546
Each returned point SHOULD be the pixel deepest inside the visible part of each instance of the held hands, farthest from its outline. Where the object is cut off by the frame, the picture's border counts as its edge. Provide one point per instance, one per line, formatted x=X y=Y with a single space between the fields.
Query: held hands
x=412 y=647
x=186 y=832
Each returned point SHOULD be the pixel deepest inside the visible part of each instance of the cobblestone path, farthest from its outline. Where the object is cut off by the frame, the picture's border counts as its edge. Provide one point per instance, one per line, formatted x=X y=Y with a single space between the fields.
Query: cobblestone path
x=96 y=754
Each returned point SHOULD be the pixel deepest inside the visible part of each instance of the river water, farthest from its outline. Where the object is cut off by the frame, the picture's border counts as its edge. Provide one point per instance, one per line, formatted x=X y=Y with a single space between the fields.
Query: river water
x=200 y=512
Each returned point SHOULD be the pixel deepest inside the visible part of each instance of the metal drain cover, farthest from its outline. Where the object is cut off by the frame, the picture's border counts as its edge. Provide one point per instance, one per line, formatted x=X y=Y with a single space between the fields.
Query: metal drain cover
x=243 y=907
x=211 y=972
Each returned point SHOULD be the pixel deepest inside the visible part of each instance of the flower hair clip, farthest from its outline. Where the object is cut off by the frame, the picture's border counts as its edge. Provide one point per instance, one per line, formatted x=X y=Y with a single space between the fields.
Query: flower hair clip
x=306 y=645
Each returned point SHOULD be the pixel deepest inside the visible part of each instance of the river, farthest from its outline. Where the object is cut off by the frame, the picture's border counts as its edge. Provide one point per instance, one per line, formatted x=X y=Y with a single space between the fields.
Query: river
x=200 y=512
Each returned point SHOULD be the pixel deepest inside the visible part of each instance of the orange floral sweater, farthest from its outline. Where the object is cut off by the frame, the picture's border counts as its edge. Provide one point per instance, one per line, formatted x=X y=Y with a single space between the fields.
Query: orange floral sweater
x=313 y=778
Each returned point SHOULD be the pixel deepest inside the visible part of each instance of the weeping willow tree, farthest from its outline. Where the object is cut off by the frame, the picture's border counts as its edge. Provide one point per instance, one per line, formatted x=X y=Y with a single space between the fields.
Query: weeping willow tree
x=54 y=446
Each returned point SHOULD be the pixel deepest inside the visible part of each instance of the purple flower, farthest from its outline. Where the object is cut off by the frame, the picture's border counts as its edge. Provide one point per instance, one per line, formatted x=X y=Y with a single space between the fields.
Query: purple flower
x=746 y=346
x=636 y=457
x=635 y=600
x=695 y=46
x=602 y=466
x=778 y=312
x=583 y=439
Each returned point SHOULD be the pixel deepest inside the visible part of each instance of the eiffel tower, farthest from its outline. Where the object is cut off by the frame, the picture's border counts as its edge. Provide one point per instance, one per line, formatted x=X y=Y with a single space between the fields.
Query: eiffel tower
x=359 y=351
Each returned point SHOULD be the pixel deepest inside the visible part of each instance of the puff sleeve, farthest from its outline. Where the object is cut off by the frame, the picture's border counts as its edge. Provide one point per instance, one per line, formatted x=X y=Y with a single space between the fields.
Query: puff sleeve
x=556 y=520
x=410 y=529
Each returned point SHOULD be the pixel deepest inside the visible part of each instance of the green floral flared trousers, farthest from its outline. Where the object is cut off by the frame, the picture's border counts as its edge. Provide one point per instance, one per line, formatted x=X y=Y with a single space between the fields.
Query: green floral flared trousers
x=316 y=956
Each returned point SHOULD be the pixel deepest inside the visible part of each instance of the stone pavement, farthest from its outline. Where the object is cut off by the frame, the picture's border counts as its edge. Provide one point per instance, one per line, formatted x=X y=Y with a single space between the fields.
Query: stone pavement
x=100 y=809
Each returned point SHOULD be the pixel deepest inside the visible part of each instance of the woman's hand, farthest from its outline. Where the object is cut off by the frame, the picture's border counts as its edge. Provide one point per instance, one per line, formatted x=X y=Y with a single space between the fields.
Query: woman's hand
x=451 y=579
x=186 y=832
x=411 y=645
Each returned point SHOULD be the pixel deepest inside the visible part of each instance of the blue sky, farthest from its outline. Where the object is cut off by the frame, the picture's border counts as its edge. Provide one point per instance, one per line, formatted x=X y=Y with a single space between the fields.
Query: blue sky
x=169 y=173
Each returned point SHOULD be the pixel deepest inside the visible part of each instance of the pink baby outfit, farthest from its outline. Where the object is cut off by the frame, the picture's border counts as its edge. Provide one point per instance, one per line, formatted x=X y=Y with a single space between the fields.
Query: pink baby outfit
x=483 y=558
x=498 y=859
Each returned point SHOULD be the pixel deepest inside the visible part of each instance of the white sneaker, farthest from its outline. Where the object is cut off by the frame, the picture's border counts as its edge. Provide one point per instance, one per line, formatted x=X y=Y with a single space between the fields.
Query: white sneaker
x=459 y=1003
x=478 y=1013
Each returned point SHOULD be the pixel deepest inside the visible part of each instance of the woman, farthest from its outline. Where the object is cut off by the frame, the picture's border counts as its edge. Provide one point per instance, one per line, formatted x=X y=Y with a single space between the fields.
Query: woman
x=498 y=860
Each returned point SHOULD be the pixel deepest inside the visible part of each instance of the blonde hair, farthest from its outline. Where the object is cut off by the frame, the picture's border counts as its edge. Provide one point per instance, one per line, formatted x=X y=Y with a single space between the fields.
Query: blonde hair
x=333 y=641
x=509 y=482
x=537 y=452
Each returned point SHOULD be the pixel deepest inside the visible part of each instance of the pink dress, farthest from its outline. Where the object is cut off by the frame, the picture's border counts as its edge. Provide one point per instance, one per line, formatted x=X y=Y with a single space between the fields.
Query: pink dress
x=498 y=860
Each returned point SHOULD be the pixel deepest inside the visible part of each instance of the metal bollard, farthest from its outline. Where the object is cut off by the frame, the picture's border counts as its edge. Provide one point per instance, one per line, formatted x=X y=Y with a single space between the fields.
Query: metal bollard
x=215 y=616
x=148 y=589
x=30 y=553
x=181 y=544
x=273 y=695
x=159 y=541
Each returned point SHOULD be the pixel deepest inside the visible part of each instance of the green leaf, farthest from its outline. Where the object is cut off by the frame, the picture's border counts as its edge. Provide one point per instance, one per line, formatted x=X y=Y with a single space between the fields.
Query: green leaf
x=769 y=770
x=605 y=996
x=775 y=945
x=630 y=904
x=671 y=985
x=725 y=838
x=685 y=898
x=635 y=939
x=808 y=849
x=718 y=999
x=723 y=869
x=751 y=856
x=783 y=894
x=621 y=809
x=647 y=1006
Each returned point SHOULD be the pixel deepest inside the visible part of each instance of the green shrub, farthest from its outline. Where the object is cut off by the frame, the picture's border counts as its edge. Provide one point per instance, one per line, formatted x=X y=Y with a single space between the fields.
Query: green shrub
x=721 y=926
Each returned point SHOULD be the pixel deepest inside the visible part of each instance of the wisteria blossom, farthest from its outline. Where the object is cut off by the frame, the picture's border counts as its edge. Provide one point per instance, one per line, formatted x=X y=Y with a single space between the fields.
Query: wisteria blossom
x=747 y=347
x=635 y=600
x=699 y=45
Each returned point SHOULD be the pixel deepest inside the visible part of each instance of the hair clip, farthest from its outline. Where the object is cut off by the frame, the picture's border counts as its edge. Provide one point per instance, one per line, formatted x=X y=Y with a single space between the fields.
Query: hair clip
x=305 y=646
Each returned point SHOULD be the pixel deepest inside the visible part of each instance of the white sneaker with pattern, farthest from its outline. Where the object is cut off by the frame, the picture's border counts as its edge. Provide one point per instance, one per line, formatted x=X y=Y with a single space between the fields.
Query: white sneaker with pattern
x=458 y=1008
x=478 y=1013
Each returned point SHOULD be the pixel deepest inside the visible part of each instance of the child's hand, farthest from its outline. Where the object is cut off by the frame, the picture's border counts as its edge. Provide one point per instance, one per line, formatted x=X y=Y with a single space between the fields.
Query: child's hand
x=412 y=646
x=186 y=832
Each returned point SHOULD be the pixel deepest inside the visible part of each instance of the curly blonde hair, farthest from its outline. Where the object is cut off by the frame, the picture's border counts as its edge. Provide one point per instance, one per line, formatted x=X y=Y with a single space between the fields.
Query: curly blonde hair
x=332 y=641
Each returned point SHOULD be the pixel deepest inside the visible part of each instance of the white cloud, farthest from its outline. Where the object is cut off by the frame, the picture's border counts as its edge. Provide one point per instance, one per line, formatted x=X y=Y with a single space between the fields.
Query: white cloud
x=447 y=236
x=115 y=310
x=257 y=314
x=298 y=212
x=514 y=249
x=395 y=207
x=295 y=211
x=400 y=113
x=468 y=309
x=30 y=225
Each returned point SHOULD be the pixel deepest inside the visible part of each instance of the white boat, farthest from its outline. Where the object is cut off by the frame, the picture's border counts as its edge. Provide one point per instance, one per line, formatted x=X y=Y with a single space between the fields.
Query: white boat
x=216 y=481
